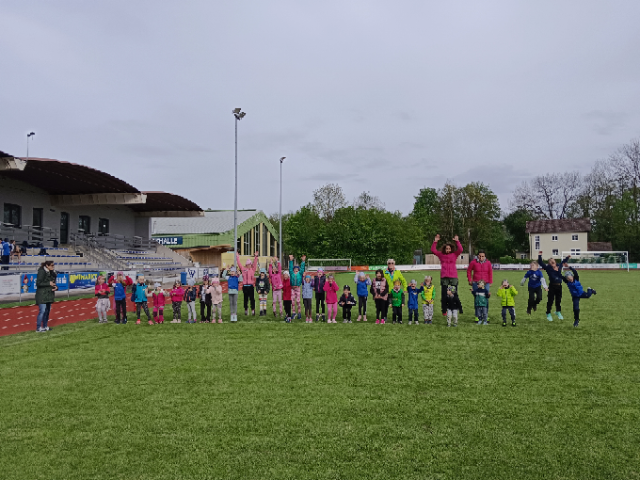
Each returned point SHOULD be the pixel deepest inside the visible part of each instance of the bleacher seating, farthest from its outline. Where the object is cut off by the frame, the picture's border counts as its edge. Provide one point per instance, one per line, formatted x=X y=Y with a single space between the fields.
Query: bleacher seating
x=143 y=260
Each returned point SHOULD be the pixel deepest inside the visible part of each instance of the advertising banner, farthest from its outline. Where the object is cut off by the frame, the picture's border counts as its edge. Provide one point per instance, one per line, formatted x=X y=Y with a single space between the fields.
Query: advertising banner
x=168 y=241
x=82 y=280
x=28 y=282
x=10 y=284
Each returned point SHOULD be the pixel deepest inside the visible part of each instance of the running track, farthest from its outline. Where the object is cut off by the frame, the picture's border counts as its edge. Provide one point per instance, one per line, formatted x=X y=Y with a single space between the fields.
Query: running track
x=24 y=319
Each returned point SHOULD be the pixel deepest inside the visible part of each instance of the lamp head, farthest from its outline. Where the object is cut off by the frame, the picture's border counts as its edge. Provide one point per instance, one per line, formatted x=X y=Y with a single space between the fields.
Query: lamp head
x=282 y=159
x=31 y=134
x=236 y=111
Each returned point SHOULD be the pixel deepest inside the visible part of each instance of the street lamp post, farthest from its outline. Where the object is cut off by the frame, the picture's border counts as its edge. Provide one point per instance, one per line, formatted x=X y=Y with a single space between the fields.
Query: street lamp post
x=239 y=115
x=280 y=215
x=29 y=135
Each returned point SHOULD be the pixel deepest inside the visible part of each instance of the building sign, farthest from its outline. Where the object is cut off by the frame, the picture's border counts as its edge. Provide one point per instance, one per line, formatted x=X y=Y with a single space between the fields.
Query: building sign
x=168 y=240
x=82 y=280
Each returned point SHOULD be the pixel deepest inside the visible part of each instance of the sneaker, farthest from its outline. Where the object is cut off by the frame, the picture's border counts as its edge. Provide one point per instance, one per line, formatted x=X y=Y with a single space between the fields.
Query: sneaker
x=124 y=321
x=410 y=322
x=485 y=323
x=219 y=320
x=559 y=315
x=549 y=317
x=364 y=319
x=425 y=322
x=117 y=322
x=382 y=321
x=454 y=325
x=377 y=322
x=528 y=311
x=430 y=322
x=299 y=316
x=400 y=322
x=138 y=322
x=150 y=322
x=350 y=321
x=504 y=324
x=393 y=322
x=274 y=313
x=345 y=321
x=513 y=324
x=253 y=313
x=575 y=324
x=40 y=330
x=359 y=317
x=477 y=321
x=535 y=307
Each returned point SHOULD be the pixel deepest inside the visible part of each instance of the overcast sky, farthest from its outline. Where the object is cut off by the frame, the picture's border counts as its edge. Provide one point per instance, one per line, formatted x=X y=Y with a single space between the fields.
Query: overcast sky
x=382 y=96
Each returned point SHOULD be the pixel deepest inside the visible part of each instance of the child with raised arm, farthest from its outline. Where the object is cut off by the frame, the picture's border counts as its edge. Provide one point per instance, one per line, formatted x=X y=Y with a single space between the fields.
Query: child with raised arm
x=307 y=296
x=233 y=282
x=412 y=303
x=296 y=273
x=507 y=293
x=248 y=282
x=448 y=271
x=427 y=298
x=380 y=292
x=536 y=284
x=572 y=279
x=554 y=292
x=275 y=277
x=397 y=301
x=346 y=302
x=363 y=282
x=331 y=289
x=481 y=302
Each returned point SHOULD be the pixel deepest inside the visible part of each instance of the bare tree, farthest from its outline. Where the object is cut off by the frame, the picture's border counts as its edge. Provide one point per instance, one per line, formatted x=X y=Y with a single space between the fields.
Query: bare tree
x=552 y=195
x=367 y=201
x=626 y=164
x=327 y=199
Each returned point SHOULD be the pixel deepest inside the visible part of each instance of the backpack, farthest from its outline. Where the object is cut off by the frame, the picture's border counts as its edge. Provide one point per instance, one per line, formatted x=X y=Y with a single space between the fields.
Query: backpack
x=133 y=293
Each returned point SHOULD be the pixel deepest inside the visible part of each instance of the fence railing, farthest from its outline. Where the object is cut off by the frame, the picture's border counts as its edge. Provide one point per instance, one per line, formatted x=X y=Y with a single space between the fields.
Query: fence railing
x=33 y=236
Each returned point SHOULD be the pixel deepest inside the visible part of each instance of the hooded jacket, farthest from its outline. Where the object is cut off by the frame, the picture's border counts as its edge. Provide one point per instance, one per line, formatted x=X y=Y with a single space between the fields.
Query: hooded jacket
x=397 y=297
x=480 y=271
x=362 y=287
x=296 y=278
x=396 y=275
x=555 y=276
x=347 y=300
x=204 y=293
x=286 y=289
x=318 y=283
x=536 y=279
x=190 y=295
x=177 y=294
x=506 y=296
x=447 y=260
x=262 y=285
x=481 y=297
x=275 y=278
x=44 y=291
x=452 y=302
x=216 y=293
x=412 y=294
x=140 y=294
x=158 y=298
x=575 y=287
x=233 y=282
x=331 y=289
x=307 y=289
x=248 y=271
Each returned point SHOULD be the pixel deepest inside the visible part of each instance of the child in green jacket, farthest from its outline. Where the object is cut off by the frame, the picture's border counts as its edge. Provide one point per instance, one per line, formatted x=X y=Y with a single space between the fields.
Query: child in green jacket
x=397 y=301
x=506 y=294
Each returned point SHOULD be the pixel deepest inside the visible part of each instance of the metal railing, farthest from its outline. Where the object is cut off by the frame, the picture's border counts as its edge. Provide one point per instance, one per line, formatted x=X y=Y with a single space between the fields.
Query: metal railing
x=34 y=236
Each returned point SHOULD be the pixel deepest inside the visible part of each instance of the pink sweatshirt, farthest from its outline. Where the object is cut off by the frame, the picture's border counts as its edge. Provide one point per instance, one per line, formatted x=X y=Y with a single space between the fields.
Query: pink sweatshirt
x=481 y=271
x=447 y=260
x=331 y=289
x=248 y=271
x=177 y=294
x=216 y=294
x=275 y=278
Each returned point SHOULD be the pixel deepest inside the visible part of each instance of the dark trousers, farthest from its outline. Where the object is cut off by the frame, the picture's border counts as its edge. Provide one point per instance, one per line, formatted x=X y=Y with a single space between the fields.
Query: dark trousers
x=362 y=305
x=287 y=307
x=346 y=312
x=121 y=310
x=397 y=313
x=576 y=303
x=535 y=297
x=555 y=293
x=382 y=307
x=512 y=313
x=444 y=283
x=307 y=307
x=4 y=260
x=204 y=317
x=319 y=302
x=413 y=315
x=248 y=293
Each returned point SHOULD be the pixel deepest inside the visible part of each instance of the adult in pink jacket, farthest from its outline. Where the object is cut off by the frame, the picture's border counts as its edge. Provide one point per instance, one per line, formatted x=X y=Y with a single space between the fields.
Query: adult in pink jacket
x=248 y=282
x=480 y=269
x=448 y=271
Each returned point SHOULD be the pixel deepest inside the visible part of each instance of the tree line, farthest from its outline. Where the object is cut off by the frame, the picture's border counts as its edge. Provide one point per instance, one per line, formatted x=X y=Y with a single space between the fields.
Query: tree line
x=365 y=231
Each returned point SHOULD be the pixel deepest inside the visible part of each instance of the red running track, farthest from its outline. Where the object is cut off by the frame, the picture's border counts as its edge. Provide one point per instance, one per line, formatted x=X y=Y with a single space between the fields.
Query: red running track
x=24 y=319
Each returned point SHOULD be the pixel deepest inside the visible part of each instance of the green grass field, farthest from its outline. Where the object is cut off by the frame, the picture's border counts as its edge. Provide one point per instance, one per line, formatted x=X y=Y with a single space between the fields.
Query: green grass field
x=261 y=399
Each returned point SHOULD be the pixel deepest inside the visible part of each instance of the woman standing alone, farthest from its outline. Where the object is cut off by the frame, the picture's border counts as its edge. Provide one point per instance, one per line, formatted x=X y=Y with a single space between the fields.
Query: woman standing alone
x=45 y=294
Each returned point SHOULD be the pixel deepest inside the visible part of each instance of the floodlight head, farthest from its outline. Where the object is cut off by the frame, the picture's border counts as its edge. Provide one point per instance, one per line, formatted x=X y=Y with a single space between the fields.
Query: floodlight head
x=31 y=134
x=282 y=159
x=236 y=111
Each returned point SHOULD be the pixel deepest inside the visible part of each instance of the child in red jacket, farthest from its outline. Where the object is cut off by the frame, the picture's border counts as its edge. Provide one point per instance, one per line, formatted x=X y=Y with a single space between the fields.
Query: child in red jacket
x=286 y=296
x=177 y=293
x=158 y=304
x=331 y=289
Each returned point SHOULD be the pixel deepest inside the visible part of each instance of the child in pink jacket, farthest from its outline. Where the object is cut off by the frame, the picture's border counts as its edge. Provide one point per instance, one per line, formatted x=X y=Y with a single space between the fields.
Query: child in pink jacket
x=248 y=282
x=158 y=304
x=177 y=293
x=448 y=271
x=331 y=289
x=275 y=278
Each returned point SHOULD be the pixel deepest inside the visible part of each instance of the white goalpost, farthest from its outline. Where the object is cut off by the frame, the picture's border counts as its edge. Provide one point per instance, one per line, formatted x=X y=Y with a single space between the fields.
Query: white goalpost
x=329 y=264
x=598 y=259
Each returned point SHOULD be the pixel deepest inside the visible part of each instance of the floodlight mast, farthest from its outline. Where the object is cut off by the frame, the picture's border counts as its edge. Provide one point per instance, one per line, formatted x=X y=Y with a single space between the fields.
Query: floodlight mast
x=280 y=215
x=239 y=115
x=29 y=135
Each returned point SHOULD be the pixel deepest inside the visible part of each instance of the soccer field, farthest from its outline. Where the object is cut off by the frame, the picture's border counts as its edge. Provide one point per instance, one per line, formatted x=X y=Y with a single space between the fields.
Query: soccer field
x=262 y=399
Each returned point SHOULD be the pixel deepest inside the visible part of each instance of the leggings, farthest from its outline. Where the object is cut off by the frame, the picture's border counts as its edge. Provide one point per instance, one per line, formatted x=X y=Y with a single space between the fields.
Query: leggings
x=277 y=299
x=233 y=303
x=319 y=302
x=332 y=309
x=177 y=310
x=191 y=310
x=555 y=293
x=121 y=308
x=204 y=317
x=217 y=308
x=262 y=297
x=362 y=305
x=295 y=299
x=427 y=311
x=248 y=294
x=346 y=312
x=397 y=314
x=158 y=311
x=307 y=307
x=145 y=307
x=102 y=305
x=382 y=306
x=287 y=308
x=535 y=297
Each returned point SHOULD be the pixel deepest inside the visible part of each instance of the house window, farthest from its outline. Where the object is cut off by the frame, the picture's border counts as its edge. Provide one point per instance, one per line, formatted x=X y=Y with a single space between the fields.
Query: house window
x=523 y=256
x=84 y=224
x=256 y=239
x=574 y=237
x=103 y=226
x=274 y=247
x=554 y=238
x=554 y=252
x=575 y=251
x=13 y=214
x=265 y=242
x=239 y=247
x=247 y=243
x=536 y=241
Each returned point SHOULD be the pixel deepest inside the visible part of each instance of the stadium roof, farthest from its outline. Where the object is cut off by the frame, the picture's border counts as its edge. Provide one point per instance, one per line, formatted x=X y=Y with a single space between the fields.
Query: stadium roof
x=562 y=225
x=212 y=222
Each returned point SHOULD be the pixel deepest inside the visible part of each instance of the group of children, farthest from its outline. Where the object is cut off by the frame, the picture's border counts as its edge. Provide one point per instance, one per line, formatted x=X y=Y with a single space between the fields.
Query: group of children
x=294 y=289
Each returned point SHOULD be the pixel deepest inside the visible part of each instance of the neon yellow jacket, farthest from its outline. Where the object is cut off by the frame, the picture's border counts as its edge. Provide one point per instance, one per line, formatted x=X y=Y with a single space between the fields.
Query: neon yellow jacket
x=397 y=275
x=506 y=296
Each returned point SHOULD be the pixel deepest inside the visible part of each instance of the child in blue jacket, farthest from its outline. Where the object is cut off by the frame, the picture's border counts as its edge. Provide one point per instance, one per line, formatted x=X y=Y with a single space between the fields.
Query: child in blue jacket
x=412 y=293
x=307 y=296
x=363 y=282
x=572 y=280
x=536 y=284
x=233 y=282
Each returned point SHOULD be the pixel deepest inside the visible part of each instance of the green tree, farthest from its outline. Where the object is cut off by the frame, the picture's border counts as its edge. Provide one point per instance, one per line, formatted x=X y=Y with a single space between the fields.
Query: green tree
x=478 y=208
x=425 y=215
x=304 y=233
x=516 y=224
